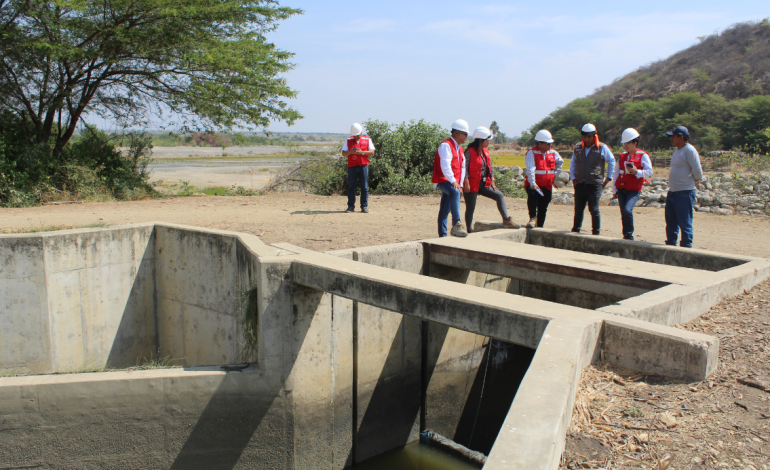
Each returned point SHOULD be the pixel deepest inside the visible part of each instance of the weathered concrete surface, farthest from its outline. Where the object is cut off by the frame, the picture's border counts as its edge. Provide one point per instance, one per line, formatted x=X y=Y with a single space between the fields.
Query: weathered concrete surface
x=77 y=298
x=147 y=419
x=533 y=434
x=388 y=361
x=460 y=306
x=427 y=298
x=339 y=376
x=709 y=278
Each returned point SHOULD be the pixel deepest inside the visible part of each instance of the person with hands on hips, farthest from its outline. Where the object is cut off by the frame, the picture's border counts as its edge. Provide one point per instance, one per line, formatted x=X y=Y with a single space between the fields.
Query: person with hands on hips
x=633 y=167
x=543 y=164
x=479 y=179
x=587 y=172
x=448 y=177
x=358 y=148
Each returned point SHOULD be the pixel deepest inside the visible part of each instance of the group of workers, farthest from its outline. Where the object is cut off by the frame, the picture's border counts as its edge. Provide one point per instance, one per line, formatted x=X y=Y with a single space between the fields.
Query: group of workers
x=469 y=174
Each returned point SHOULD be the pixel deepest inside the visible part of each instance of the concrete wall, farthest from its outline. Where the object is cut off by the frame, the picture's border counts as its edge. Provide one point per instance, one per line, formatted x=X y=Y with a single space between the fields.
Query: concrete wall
x=77 y=299
x=115 y=297
x=336 y=380
x=640 y=251
x=166 y=419
x=198 y=296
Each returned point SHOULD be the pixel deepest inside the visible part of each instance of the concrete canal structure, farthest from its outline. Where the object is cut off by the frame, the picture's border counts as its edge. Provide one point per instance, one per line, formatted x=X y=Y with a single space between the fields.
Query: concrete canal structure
x=357 y=350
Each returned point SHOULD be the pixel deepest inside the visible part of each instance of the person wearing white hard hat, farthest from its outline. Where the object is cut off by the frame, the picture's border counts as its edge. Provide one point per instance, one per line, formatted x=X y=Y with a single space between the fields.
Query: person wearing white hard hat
x=588 y=175
x=358 y=148
x=633 y=167
x=479 y=179
x=448 y=176
x=543 y=164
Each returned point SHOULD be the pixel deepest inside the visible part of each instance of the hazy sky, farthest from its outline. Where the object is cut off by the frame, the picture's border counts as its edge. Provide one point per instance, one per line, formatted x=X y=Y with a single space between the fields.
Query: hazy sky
x=511 y=62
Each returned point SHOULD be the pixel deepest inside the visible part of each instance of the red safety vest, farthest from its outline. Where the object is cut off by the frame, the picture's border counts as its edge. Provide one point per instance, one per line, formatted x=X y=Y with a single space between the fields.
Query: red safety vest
x=628 y=181
x=438 y=175
x=545 y=169
x=474 y=169
x=363 y=145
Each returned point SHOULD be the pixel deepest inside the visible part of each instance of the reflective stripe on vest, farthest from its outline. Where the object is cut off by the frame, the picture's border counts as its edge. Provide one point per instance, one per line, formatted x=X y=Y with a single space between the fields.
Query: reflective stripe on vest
x=629 y=181
x=545 y=169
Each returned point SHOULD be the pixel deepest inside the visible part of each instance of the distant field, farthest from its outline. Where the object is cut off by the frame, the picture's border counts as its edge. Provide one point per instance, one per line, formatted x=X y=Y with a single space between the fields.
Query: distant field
x=518 y=160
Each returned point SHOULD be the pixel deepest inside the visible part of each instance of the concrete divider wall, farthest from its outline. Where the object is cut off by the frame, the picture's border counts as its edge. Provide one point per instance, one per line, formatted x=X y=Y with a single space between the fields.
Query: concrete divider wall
x=640 y=251
x=198 y=297
x=77 y=298
x=388 y=361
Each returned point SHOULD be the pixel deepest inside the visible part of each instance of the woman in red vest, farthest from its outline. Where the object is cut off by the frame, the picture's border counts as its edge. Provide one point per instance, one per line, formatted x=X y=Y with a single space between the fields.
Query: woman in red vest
x=633 y=167
x=479 y=180
x=542 y=165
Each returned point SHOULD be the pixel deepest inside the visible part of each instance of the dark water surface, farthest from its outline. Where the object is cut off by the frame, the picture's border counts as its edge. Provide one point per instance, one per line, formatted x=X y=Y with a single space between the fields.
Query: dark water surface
x=416 y=457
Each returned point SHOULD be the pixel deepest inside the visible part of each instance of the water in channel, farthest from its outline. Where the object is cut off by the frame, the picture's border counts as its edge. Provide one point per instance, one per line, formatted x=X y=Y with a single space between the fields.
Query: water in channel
x=416 y=457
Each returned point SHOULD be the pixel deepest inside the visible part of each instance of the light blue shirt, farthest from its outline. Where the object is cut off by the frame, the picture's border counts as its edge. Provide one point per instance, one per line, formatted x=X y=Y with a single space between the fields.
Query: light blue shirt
x=606 y=154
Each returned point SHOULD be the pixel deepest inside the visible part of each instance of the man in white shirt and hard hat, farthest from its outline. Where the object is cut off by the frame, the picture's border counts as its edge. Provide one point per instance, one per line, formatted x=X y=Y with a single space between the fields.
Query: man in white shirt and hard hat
x=543 y=165
x=358 y=148
x=448 y=177
x=589 y=176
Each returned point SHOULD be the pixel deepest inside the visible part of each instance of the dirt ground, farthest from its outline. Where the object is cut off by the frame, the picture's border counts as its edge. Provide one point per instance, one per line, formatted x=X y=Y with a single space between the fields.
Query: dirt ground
x=319 y=222
x=626 y=420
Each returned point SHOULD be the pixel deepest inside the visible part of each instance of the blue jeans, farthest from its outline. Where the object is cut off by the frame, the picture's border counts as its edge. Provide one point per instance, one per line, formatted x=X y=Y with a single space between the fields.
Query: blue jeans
x=627 y=200
x=679 y=215
x=361 y=174
x=450 y=201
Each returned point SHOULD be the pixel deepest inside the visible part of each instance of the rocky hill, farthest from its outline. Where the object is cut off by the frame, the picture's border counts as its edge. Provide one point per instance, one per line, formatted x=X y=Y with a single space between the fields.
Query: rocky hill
x=719 y=88
x=734 y=64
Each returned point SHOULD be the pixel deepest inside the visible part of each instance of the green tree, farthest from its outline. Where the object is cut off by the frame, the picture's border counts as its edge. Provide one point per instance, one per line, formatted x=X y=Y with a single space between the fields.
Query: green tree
x=207 y=61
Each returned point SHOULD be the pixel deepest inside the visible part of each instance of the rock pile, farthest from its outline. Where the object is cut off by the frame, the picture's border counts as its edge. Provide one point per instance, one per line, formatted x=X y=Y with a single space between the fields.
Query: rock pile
x=720 y=194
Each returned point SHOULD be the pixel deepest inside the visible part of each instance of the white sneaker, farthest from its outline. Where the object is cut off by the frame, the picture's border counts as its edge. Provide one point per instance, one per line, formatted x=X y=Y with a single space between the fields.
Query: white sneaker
x=532 y=222
x=459 y=230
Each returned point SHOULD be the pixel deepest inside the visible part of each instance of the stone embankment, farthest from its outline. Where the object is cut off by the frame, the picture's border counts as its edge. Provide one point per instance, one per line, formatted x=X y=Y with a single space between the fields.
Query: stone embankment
x=718 y=194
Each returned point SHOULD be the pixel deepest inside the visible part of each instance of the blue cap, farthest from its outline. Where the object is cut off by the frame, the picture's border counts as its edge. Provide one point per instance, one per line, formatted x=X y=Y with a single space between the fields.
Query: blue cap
x=679 y=130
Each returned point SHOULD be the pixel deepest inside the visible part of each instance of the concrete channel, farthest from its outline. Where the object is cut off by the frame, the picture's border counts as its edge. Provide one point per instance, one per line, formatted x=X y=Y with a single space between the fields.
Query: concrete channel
x=358 y=350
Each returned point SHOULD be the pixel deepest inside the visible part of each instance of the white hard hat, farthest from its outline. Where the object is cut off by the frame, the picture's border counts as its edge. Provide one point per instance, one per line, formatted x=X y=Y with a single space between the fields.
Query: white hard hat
x=356 y=129
x=588 y=128
x=544 y=136
x=482 y=133
x=629 y=135
x=461 y=125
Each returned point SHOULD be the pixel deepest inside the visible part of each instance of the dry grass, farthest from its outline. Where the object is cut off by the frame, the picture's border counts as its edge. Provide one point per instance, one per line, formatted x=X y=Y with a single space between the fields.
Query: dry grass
x=627 y=420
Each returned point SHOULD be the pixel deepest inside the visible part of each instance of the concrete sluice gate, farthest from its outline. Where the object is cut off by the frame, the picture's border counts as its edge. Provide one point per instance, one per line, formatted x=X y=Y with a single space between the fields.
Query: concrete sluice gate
x=358 y=350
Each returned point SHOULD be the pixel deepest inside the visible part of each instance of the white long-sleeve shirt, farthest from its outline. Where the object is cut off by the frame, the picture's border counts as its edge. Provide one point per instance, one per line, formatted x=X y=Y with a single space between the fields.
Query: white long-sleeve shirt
x=445 y=159
x=645 y=172
x=529 y=162
x=345 y=146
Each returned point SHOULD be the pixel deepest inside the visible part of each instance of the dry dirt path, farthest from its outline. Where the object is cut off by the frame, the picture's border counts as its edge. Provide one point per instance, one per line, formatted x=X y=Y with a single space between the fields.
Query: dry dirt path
x=318 y=222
